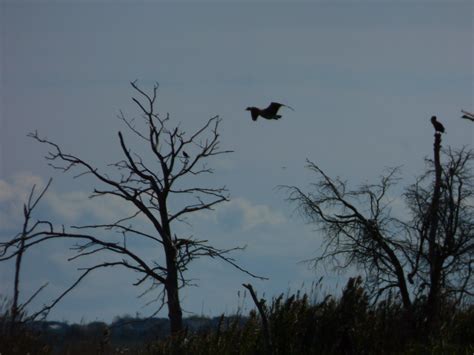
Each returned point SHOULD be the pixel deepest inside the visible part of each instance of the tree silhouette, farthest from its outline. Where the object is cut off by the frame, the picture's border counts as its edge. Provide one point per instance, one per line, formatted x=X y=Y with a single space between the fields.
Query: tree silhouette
x=427 y=256
x=18 y=243
x=440 y=233
x=160 y=188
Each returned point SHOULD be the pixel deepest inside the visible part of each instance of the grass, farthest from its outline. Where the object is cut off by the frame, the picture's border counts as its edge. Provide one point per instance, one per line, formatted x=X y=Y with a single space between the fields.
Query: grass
x=298 y=325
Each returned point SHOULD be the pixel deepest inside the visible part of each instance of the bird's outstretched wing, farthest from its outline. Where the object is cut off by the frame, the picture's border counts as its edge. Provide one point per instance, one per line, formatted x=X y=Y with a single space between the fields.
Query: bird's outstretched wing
x=291 y=108
x=275 y=106
x=467 y=115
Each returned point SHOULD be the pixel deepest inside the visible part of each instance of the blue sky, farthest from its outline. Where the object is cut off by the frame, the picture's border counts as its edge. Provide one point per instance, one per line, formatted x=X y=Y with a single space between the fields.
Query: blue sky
x=363 y=77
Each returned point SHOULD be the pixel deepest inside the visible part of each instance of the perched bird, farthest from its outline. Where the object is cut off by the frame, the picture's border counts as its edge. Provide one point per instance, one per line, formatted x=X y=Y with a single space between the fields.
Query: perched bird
x=438 y=126
x=270 y=113
x=467 y=115
x=185 y=155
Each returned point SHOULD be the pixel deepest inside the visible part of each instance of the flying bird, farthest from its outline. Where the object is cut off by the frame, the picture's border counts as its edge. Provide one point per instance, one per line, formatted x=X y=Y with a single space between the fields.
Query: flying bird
x=270 y=113
x=438 y=126
x=467 y=115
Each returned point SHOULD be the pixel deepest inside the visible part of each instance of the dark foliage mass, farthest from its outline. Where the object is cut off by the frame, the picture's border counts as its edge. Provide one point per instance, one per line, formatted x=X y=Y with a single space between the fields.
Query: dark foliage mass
x=347 y=325
x=298 y=324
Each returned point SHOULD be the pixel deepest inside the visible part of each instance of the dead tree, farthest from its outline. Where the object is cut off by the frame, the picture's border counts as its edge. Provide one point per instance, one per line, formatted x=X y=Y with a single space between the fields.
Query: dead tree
x=357 y=228
x=428 y=256
x=149 y=183
x=32 y=233
x=18 y=243
x=440 y=234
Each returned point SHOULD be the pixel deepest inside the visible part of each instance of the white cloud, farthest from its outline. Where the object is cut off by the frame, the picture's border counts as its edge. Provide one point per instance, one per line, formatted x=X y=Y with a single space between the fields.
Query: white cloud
x=19 y=187
x=255 y=215
x=6 y=192
x=74 y=205
x=61 y=207
x=243 y=214
x=69 y=205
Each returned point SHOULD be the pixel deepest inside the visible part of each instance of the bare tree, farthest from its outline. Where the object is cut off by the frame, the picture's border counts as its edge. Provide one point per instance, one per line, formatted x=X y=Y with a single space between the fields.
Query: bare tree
x=28 y=230
x=357 y=227
x=441 y=232
x=427 y=256
x=32 y=233
x=155 y=185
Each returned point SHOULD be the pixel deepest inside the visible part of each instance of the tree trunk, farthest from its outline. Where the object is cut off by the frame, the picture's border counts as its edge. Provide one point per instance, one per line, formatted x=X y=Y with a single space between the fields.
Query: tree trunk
x=16 y=286
x=433 y=302
x=175 y=313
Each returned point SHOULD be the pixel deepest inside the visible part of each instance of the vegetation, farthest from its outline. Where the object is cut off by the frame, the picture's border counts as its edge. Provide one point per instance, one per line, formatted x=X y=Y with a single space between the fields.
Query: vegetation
x=349 y=324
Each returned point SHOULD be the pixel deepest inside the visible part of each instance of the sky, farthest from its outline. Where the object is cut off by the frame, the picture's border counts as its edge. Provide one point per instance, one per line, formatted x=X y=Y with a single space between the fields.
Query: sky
x=363 y=77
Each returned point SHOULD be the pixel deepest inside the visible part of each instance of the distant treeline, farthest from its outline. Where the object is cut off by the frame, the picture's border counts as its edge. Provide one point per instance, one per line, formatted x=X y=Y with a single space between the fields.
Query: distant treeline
x=123 y=332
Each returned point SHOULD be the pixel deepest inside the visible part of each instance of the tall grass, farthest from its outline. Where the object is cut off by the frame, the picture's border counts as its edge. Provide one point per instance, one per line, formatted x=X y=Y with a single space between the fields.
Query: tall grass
x=17 y=338
x=298 y=324
x=348 y=325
